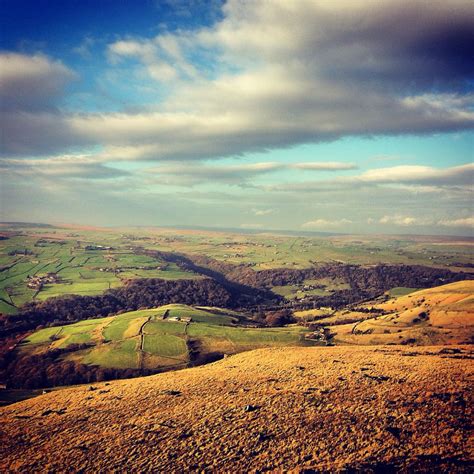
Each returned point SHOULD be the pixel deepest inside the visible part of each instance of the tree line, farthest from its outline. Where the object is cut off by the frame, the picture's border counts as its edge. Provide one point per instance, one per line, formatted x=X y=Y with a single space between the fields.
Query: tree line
x=136 y=294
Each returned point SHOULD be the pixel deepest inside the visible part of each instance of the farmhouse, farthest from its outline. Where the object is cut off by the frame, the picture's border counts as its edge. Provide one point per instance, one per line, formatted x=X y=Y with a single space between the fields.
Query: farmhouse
x=97 y=247
x=184 y=319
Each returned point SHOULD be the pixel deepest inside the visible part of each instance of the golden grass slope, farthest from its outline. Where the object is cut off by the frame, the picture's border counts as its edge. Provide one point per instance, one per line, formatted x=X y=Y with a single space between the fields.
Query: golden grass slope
x=323 y=408
x=449 y=305
x=440 y=315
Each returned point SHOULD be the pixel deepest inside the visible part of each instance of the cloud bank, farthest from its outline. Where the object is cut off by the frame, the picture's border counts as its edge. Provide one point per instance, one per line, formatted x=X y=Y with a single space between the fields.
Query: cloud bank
x=272 y=74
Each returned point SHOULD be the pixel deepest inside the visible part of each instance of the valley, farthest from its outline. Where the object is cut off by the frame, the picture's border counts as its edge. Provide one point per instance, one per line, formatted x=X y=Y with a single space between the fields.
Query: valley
x=87 y=305
x=236 y=351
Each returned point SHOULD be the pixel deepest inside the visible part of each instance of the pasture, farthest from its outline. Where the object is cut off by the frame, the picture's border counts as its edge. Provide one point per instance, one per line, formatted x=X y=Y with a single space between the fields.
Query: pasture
x=170 y=335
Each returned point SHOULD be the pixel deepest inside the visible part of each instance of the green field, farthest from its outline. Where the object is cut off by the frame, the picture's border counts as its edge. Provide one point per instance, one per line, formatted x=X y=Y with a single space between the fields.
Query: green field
x=401 y=291
x=166 y=345
x=158 y=337
x=78 y=270
x=121 y=355
x=319 y=287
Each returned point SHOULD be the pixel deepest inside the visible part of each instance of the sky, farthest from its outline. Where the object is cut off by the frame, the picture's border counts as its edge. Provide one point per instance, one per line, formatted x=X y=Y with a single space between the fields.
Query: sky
x=351 y=116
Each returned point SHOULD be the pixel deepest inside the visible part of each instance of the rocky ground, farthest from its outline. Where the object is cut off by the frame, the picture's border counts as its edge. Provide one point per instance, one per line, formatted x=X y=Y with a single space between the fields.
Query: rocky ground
x=350 y=409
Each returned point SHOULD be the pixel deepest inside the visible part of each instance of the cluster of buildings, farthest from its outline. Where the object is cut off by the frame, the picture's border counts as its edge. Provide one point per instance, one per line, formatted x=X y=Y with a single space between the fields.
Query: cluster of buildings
x=36 y=282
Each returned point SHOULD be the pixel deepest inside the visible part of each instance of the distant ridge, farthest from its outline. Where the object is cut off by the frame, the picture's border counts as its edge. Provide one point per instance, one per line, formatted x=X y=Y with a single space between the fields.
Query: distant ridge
x=26 y=224
x=241 y=230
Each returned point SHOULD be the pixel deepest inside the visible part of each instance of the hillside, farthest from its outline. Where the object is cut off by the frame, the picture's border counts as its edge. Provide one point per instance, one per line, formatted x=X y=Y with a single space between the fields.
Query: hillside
x=321 y=408
x=441 y=315
x=138 y=343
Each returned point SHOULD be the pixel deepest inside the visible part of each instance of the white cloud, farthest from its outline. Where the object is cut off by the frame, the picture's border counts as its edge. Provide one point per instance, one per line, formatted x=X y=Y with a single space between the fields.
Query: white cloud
x=275 y=74
x=263 y=212
x=420 y=174
x=413 y=178
x=400 y=220
x=461 y=222
x=407 y=221
x=325 y=224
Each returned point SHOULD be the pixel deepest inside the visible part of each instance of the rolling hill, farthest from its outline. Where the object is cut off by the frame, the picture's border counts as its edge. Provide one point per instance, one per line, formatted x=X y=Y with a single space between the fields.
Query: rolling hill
x=313 y=409
x=440 y=315
x=139 y=343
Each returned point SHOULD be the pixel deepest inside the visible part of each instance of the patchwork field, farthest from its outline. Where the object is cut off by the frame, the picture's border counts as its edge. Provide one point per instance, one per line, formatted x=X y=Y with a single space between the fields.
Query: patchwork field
x=321 y=409
x=40 y=266
x=169 y=336
x=41 y=262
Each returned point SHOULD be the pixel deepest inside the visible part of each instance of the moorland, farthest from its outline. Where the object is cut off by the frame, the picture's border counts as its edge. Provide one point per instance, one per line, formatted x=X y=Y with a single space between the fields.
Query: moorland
x=306 y=409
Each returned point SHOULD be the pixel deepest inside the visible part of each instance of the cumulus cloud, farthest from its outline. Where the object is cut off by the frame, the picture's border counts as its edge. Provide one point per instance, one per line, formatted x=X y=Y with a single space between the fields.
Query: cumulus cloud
x=374 y=42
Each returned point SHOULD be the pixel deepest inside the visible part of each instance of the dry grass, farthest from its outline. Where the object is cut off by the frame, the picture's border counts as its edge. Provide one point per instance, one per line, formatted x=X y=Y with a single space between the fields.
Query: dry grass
x=441 y=315
x=321 y=408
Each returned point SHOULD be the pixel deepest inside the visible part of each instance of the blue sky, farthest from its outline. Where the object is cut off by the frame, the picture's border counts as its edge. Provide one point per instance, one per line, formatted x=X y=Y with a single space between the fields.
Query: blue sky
x=348 y=116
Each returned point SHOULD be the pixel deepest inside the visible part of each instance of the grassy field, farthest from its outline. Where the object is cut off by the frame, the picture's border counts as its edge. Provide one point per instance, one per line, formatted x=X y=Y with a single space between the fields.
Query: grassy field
x=80 y=265
x=318 y=287
x=84 y=268
x=166 y=345
x=159 y=337
x=120 y=355
x=401 y=291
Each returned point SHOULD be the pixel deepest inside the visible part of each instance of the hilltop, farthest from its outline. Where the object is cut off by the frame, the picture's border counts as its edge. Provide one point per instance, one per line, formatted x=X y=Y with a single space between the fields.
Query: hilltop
x=321 y=408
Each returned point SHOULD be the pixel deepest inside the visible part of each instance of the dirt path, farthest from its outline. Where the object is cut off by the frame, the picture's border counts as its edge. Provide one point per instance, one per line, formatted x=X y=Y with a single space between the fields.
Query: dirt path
x=355 y=325
x=142 y=343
